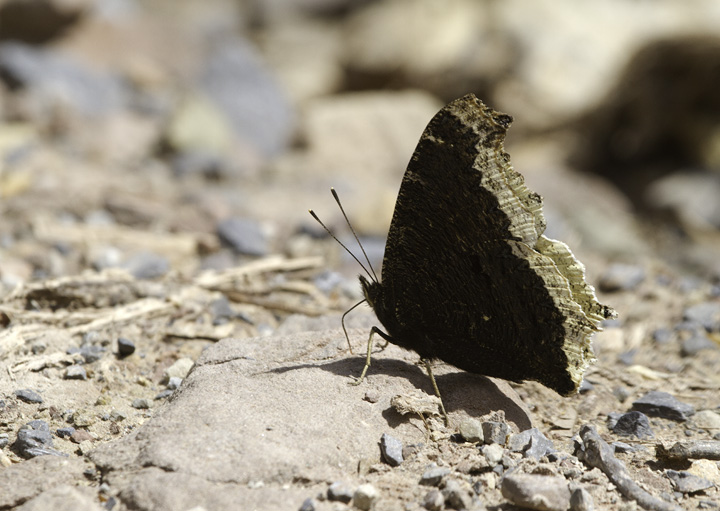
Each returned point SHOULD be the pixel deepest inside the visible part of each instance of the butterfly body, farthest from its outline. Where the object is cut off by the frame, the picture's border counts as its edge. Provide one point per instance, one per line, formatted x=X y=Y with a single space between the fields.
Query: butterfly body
x=468 y=277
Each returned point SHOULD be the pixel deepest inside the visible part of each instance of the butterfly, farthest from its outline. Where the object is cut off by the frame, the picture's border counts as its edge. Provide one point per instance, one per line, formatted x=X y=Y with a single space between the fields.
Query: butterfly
x=468 y=276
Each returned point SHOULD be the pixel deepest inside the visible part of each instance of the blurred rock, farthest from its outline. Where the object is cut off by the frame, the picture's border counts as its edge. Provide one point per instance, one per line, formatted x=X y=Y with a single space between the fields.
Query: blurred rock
x=245 y=235
x=632 y=424
x=236 y=80
x=368 y=134
x=685 y=482
x=147 y=265
x=569 y=53
x=536 y=491
x=663 y=114
x=39 y=21
x=305 y=55
x=198 y=126
x=56 y=81
x=661 y=404
x=696 y=343
x=411 y=43
x=621 y=277
x=707 y=314
x=690 y=195
x=707 y=419
x=199 y=162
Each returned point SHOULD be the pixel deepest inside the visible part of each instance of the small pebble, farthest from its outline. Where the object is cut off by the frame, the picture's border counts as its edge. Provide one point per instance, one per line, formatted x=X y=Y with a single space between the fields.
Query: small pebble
x=28 y=396
x=34 y=439
x=622 y=447
x=308 y=505
x=372 y=396
x=221 y=310
x=621 y=393
x=164 y=394
x=433 y=475
x=75 y=372
x=585 y=387
x=662 y=335
x=493 y=453
x=82 y=419
x=340 y=492
x=434 y=500
x=391 y=449
x=147 y=265
x=581 y=500
x=661 y=404
x=38 y=347
x=536 y=491
x=365 y=496
x=495 y=432
x=91 y=353
x=532 y=443
x=471 y=430
x=244 y=235
x=633 y=424
x=118 y=415
x=141 y=404
x=174 y=383
x=179 y=369
x=627 y=357
x=80 y=435
x=65 y=432
x=125 y=347
x=456 y=496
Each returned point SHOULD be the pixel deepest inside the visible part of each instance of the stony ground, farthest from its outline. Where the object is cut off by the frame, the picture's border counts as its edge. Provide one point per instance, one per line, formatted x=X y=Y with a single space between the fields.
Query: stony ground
x=170 y=314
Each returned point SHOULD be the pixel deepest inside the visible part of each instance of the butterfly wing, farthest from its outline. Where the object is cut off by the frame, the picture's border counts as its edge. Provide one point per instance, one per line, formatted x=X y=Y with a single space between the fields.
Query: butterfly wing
x=468 y=276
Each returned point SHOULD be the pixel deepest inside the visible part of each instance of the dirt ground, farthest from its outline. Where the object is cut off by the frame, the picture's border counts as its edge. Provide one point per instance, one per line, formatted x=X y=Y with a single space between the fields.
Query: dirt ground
x=170 y=313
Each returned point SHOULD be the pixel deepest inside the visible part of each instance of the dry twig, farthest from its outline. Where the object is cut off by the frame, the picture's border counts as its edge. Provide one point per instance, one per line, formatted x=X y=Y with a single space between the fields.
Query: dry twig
x=599 y=454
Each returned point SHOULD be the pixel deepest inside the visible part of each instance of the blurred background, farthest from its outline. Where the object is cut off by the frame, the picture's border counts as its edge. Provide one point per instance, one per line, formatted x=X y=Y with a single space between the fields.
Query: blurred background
x=176 y=135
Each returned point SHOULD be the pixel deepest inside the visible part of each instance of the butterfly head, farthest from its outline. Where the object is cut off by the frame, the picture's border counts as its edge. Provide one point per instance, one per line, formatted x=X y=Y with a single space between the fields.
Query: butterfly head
x=370 y=289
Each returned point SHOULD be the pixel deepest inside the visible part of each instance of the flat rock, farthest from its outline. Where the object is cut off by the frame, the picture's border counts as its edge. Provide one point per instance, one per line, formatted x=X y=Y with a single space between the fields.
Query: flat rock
x=546 y=493
x=249 y=448
x=685 y=482
x=662 y=404
x=24 y=481
x=64 y=498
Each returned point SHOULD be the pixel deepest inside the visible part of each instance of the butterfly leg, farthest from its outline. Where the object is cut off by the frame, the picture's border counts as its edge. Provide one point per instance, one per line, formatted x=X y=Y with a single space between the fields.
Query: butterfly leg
x=374 y=330
x=428 y=367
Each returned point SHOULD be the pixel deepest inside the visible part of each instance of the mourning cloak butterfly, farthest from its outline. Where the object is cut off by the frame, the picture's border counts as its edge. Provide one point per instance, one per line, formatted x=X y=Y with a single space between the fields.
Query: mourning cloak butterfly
x=468 y=276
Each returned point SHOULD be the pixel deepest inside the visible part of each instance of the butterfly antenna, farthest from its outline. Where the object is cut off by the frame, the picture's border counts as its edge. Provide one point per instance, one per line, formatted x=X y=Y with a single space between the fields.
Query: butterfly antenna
x=337 y=199
x=340 y=242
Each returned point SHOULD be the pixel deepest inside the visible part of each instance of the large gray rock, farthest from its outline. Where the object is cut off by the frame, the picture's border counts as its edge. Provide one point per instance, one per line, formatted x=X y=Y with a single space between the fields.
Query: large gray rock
x=225 y=436
x=25 y=481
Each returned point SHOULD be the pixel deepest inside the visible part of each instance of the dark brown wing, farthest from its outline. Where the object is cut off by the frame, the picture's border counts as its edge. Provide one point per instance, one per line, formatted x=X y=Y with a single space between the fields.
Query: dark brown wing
x=467 y=275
